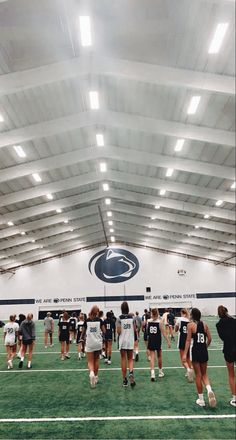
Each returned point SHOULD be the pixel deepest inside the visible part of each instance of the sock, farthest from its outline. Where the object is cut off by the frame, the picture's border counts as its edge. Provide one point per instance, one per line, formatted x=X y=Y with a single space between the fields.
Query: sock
x=208 y=387
x=131 y=372
x=201 y=396
x=79 y=355
x=234 y=397
x=188 y=369
x=29 y=363
x=136 y=352
x=160 y=370
x=22 y=358
x=152 y=371
x=109 y=358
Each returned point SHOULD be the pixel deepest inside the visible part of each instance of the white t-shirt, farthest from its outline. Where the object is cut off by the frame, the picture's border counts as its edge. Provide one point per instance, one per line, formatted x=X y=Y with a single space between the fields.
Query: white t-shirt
x=10 y=329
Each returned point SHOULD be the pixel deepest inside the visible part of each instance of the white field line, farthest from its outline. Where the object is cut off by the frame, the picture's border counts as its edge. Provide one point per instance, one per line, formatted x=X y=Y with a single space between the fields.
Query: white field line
x=115 y=418
x=80 y=370
x=114 y=351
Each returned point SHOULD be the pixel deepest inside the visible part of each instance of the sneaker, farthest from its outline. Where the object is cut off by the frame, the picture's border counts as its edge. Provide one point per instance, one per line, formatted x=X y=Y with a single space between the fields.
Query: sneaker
x=211 y=399
x=18 y=355
x=67 y=356
x=29 y=367
x=62 y=358
x=96 y=380
x=161 y=374
x=106 y=361
x=233 y=402
x=125 y=382
x=92 y=379
x=190 y=376
x=20 y=364
x=153 y=378
x=131 y=379
x=109 y=362
x=51 y=345
x=136 y=357
x=200 y=402
x=11 y=364
x=8 y=367
x=45 y=346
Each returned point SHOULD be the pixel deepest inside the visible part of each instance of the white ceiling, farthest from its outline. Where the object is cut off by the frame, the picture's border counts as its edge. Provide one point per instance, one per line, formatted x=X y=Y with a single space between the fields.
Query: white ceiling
x=146 y=61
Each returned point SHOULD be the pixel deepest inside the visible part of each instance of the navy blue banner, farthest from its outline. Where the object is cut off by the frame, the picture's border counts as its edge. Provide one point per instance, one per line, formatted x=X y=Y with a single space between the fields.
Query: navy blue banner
x=9 y=302
x=216 y=295
x=115 y=298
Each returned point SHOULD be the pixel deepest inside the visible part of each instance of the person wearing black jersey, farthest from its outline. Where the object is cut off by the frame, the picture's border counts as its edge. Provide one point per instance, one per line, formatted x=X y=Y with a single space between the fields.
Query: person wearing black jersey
x=198 y=339
x=109 y=331
x=80 y=327
x=73 y=322
x=93 y=330
x=155 y=331
x=171 y=323
x=19 y=321
x=64 y=335
x=145 y=319
x=226 y=328
x=181 y=326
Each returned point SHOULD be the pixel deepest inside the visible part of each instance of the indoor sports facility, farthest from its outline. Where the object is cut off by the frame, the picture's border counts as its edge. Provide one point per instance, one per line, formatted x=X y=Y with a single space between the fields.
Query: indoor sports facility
x=117 y=219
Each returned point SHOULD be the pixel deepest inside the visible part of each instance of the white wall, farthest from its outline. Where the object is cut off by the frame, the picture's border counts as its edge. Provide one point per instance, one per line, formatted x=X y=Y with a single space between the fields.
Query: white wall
x=69 y=278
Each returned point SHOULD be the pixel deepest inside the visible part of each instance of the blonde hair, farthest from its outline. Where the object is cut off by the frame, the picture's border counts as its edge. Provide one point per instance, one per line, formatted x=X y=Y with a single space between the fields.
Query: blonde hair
x=185 y=312
x=155 y=312
x=94 y=312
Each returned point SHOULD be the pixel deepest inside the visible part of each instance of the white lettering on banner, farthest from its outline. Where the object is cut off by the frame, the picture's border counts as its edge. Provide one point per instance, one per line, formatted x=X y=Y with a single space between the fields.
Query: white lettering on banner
x=59 y=300
x=170 y=297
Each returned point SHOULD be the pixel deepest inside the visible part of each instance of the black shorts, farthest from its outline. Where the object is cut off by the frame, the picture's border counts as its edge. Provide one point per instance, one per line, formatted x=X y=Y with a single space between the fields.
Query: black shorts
x=145 y=338
x=28 y=342
x=199 y=356
x=63 y=338
x=230 y=356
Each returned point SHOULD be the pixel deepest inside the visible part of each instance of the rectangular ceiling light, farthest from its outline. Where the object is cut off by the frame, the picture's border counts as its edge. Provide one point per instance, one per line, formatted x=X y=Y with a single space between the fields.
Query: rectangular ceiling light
x=85 y=30
x=219 y=202
x=162 y=192
x=107 y=201
x=169 y=172
x=193 y=105
x=58 y=210
x=36 y=177
x=1 y=118
x=109 y=214
x=105 y=187
x=10 y=223
x=179 y=144
x=113 y=239
x=94 y=101
x=218 y=37
x=19 y=150
x=111 y=230
x=110 y=222
x=49 y=196
x=206 y=216
x=100 y=140
x=233 y=186
x=103 y=167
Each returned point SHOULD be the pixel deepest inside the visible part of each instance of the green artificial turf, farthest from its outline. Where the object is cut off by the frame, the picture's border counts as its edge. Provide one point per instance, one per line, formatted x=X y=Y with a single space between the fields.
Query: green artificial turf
x=31 y=393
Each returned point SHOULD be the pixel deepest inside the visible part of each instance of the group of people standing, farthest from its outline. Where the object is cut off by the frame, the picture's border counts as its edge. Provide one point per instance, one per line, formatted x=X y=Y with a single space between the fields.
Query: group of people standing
x=94 y=336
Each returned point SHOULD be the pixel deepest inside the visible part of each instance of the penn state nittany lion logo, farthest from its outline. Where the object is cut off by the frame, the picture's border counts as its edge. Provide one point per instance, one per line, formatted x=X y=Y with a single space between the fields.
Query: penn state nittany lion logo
x=114 y=265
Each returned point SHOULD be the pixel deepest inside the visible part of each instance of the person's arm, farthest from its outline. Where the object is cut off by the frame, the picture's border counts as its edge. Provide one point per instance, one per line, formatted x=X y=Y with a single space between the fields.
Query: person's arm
x=188 y=341
x=4 y=334
x=52 y=325
x=118 y=326
x=163 y=332
x=208 y=333
x=33 y=331
x=177 y=325
x=82 y=336
x=220 y=331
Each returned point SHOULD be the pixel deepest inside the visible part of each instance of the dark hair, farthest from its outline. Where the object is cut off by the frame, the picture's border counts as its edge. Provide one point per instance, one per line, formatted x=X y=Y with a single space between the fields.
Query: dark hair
x=222 y=311
x=65 y=316
x=109 y=315
x=94 y=312
x=125 y=308
x=196 y=314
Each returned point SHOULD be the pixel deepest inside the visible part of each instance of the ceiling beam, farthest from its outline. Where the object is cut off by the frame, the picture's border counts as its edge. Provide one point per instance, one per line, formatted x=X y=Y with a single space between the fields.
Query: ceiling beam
x=119 y=68
x=116 y=176
x=176 y=218
x=118 y=153
x=119 y=120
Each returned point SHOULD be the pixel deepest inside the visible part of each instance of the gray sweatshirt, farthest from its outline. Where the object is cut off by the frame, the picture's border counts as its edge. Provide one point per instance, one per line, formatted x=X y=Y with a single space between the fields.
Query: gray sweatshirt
x=27 y=330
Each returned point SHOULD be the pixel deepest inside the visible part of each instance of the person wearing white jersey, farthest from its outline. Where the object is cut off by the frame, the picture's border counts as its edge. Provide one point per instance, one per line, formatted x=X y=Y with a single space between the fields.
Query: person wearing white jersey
x=181 y=326
x=125 y=330
x=93 y=330
x=10 y=339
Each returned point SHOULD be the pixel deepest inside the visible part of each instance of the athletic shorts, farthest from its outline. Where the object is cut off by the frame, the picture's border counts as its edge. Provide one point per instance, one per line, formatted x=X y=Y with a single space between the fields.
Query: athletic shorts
x=28 y=342
x=49 y=332
x=154 y=347
x=64 y=339
x=230 y=356
x=9 y=344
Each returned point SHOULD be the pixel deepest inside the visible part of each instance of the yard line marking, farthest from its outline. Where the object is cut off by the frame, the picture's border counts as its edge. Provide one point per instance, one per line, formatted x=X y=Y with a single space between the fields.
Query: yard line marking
x=114 y=351
x=114 y=418
x=100 y=369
